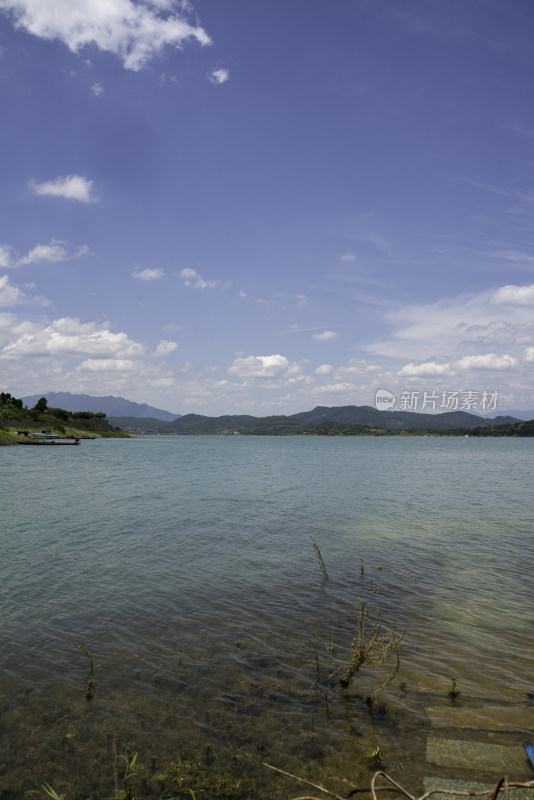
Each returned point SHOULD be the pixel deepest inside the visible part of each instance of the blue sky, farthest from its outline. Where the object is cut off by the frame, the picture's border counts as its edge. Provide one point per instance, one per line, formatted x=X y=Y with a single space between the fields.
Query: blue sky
x=260 y=207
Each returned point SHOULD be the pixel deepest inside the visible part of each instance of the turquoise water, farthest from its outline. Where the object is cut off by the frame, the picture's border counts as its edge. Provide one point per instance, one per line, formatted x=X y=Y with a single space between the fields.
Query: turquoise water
x=185 y=565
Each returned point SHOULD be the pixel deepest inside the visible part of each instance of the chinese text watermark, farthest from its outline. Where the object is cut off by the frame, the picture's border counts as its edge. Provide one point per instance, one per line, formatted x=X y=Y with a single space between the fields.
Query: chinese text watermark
x=437 y=400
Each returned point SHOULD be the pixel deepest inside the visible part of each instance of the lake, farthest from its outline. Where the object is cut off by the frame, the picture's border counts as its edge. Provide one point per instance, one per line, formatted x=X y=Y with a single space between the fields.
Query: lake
x=185 y=566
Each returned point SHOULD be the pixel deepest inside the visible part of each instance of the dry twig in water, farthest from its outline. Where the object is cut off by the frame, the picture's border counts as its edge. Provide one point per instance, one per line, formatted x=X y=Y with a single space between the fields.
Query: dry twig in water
x=374 y=648
x=492 y=795
x=319 y=556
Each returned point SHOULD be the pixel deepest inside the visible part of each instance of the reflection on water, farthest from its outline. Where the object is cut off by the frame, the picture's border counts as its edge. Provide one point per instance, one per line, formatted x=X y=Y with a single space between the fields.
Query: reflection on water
x=185 y=564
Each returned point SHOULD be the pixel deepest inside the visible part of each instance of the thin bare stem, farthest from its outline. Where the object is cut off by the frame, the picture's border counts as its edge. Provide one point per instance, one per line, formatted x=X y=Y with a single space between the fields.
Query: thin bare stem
x=302 y=780
x=319 y=556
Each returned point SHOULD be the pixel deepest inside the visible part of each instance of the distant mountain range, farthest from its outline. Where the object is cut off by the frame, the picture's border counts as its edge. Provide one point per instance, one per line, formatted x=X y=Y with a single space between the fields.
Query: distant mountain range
x=142 y=418
x=110 y=405
x=525 y=415
x=365 y=416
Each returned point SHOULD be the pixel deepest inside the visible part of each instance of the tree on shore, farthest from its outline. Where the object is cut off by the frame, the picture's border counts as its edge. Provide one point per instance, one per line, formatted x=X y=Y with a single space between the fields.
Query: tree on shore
x=41 y=405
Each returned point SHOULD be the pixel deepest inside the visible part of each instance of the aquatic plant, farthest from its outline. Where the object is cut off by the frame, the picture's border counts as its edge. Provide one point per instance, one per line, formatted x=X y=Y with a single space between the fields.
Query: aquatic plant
x=52 y=792
x=374 y=648
x=329 y=646
x=375 y=755
x=130 y=759
x=180 y=777
x=453 y=691
x=319 y=556
x=90 y=688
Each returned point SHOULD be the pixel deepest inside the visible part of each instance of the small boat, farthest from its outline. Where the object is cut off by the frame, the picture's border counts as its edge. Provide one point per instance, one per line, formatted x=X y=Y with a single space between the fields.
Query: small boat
x=46 y=437
x=48 y=441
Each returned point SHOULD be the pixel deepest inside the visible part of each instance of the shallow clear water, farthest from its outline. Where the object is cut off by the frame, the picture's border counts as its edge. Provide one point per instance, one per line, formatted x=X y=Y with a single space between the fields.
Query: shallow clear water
x=185 y=565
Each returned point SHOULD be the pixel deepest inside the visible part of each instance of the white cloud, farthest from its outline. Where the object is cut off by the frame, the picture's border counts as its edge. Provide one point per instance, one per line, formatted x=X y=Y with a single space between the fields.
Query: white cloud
x=260 y=366
x=193 y=280
x=518 y=295
x=487 y=361
x=429 y=368
x=135 y=32
x=325 y=336
x=529 y=354
x=70 y=337
x=348 y=257
x=165 y=347
x=446 y=330
x=45 y=252
x=337 y=387
x=358 y=368
x=97 y=89
x=218 y=76
x=324 y=369
x=10 y=295
x=6 y=256
x=148 y=274
x=107 y=365
x=72 y=187
x=54 y=251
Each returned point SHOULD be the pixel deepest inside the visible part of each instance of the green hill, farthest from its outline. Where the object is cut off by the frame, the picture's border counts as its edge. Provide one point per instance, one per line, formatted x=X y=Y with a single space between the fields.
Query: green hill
x=196 y=423
x=342 y=420
x=396 y=420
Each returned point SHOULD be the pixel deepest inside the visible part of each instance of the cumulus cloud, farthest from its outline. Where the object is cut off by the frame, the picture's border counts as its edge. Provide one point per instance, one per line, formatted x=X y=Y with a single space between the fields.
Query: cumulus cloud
x=10 y=295
x=107 y=365
x=45 y=252
x=70 y=337
x=165 y=347
x=148 y=274
x=357 y=368
x=337 y=388
x=529 y=354
x=325 y=336
x=134 y=32
x=218 y=76
x=429 y=368
x=54 y=251
x=487 y=361
x=324 y=369
x=6 y=256
x=97 y=89
x=72 y=187
x=518 y=295
x=193 y=280
x=348 y=257
x=260 y=366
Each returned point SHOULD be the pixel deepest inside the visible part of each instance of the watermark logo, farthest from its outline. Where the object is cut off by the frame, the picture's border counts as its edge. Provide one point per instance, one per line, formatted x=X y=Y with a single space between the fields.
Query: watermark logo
x=384 y=400
x=434 y=400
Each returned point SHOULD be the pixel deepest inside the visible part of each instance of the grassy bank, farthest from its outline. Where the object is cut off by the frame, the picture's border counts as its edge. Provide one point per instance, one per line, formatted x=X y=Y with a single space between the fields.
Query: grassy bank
x=9 y=436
